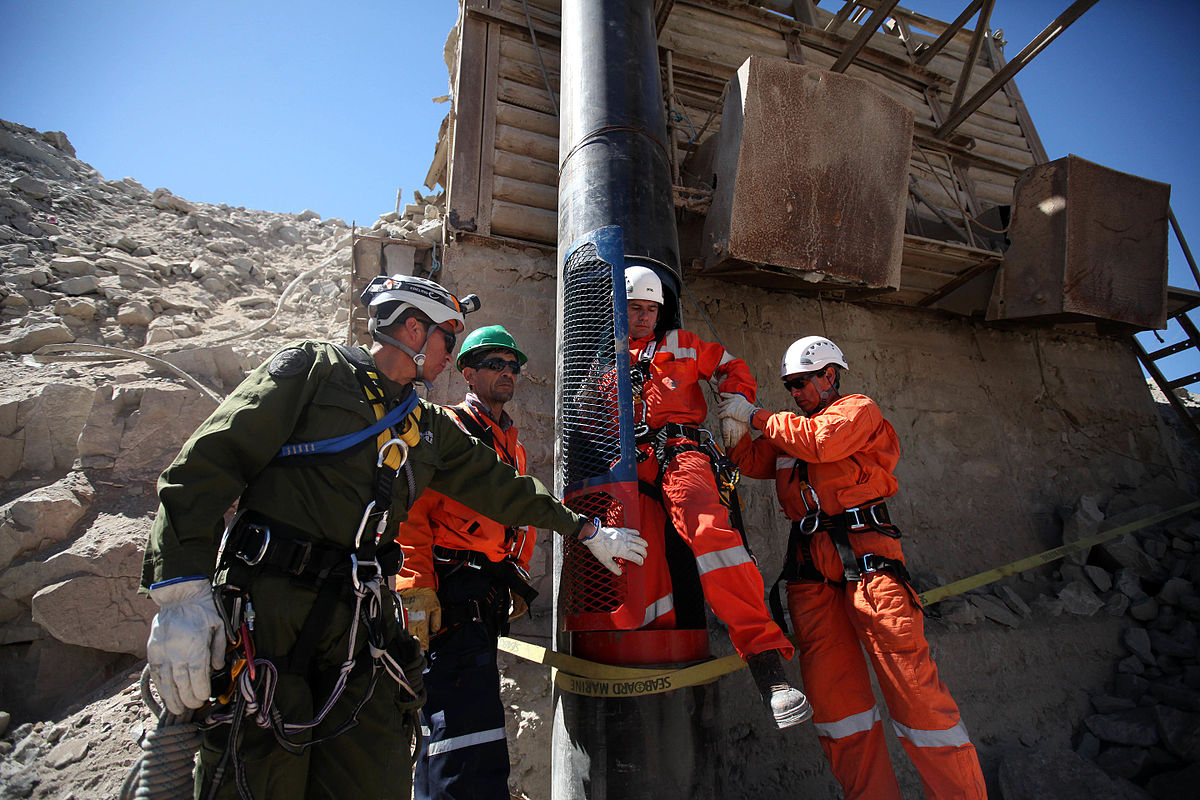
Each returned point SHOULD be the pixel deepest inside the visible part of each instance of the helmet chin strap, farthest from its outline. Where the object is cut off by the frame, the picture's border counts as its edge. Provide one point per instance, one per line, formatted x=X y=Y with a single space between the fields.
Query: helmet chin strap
x=417 y=357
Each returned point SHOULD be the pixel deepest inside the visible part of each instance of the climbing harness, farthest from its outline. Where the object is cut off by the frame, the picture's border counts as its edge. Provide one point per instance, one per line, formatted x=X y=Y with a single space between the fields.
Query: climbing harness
x=871 y=516
x=668 y=441
x=254 y=542
x=504 y=576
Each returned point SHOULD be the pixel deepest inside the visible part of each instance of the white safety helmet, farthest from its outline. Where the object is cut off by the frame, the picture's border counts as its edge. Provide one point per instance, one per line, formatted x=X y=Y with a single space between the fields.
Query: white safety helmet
x=811 y=354
x=386 y=298
x=641 y=283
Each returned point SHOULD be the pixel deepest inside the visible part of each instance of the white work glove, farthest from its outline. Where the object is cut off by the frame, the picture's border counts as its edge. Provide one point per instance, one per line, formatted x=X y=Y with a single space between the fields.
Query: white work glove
x=187 y=640
x=609 y=544
x=424 y=612
x=734 y=412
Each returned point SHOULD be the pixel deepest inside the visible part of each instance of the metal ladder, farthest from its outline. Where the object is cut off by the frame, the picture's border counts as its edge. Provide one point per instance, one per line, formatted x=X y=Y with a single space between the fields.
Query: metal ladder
x=1179 y=303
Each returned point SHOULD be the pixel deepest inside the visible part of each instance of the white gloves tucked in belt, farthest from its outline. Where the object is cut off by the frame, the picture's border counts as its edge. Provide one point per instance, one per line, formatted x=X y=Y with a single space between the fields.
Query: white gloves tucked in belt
x=187 y=639
x=609 y=544
x=734 y=412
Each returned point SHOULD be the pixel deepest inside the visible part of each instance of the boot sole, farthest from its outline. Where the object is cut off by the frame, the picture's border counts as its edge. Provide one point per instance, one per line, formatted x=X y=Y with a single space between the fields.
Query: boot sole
x=794 y=717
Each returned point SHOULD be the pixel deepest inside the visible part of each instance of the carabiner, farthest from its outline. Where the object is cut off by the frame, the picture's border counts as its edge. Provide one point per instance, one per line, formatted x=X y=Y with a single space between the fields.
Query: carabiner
x=383 y=453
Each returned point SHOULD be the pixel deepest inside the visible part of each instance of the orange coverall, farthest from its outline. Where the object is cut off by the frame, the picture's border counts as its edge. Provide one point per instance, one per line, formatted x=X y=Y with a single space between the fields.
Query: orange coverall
x=729 y=578
x=850 y=452
x=436 y=519
x=463 y=753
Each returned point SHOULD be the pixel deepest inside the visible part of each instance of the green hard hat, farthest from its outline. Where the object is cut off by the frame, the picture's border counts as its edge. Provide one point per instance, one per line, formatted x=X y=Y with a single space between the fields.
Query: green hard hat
x=488 y=338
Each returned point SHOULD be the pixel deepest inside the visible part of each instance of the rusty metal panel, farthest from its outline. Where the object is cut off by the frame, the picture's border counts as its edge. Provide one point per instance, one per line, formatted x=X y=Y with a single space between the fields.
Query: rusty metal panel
x=1088 y=242
x=810 y=176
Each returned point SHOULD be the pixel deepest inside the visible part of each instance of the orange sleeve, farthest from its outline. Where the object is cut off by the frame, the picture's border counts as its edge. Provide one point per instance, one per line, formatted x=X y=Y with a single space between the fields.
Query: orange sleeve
x=723 y=371
x=755 y=458
x=836 y=433
x=416 y=540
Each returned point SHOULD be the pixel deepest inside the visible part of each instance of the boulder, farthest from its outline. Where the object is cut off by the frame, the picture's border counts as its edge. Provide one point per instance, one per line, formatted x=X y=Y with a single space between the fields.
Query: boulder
x=82 y=284
x=1136 y=727
x=77 y=308
x=96 y=612
x=135 y=312
x=31 y=187
x=1079 y=599
x=42 y=517
x=164 y=200
x=994 y=609
x=72 y=266
x=1138 y=641
x=1179 y=732
x=50 y=422
x=30 y=338
x=166 y=415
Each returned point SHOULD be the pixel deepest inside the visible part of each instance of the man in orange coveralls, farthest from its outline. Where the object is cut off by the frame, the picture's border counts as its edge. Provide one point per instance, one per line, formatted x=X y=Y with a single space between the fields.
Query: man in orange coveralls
x=846 y=582
x=463 y=576
x=669 y=365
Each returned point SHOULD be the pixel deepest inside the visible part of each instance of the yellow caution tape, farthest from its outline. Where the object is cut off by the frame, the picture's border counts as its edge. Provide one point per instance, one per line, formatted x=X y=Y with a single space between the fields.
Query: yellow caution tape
x=580 y=676
x=992 y=575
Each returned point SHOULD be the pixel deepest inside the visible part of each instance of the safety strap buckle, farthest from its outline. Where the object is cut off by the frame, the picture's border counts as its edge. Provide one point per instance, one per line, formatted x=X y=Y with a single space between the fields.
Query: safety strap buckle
x=250 y=530
x=869 y=563
x=859 y=518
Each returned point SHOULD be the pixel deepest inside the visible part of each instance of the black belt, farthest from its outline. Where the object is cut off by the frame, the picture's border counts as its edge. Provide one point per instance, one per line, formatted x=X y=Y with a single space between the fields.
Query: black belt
x=505 y=574
x=258 y=542
x=866 y=517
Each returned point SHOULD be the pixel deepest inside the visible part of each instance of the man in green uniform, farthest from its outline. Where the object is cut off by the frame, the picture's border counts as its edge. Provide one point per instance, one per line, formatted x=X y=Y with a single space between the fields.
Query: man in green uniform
x=324 y=449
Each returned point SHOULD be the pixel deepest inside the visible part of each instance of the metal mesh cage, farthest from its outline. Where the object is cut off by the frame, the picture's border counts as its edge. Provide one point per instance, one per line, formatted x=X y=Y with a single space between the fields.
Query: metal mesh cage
x=598 y=470
x=587 y=382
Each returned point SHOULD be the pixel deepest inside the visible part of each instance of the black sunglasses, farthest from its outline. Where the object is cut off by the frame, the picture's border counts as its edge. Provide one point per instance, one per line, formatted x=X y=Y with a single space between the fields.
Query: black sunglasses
x=450 y=336
x=797 y=383
x=498 y=364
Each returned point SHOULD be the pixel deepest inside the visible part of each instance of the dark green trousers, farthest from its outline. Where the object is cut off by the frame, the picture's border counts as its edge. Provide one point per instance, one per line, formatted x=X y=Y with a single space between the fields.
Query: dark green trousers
x=373 y=759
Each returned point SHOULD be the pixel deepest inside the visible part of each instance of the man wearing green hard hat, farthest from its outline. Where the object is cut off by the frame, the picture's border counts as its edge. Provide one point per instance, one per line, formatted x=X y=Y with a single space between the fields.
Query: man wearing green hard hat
x=464 y=577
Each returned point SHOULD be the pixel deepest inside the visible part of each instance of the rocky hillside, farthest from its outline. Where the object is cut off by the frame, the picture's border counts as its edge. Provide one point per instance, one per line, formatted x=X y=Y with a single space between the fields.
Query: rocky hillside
x=125 y=313
x=153 y=306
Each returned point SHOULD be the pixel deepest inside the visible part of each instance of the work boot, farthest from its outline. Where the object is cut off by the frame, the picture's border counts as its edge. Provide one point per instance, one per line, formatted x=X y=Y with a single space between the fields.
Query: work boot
x=787 y=704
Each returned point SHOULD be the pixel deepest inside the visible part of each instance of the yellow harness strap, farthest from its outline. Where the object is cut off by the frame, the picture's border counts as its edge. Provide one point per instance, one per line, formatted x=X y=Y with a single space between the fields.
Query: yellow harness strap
x=409 y=432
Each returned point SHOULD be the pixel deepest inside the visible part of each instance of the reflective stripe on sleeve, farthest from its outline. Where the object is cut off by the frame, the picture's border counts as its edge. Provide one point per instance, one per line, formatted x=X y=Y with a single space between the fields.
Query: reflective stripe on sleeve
x=659 y=607
x=848 y=726
x=951 y=737
x=466 y=740
x=670 y=344
x=729 y=557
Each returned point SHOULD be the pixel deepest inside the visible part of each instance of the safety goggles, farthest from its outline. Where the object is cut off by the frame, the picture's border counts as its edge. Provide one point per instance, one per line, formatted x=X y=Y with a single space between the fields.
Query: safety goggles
x=797 y=383
x=498 y=364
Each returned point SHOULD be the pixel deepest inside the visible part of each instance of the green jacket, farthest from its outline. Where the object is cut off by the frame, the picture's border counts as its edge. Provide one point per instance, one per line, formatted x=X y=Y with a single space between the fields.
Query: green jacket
x=306 y=393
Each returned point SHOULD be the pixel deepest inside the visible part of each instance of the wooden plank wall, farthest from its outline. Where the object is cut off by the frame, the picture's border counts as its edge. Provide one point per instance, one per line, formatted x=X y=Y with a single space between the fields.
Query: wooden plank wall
x=506 y=131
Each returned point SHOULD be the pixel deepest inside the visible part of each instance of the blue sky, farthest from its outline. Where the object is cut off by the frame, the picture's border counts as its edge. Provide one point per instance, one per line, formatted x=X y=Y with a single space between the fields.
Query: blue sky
x=287 y=106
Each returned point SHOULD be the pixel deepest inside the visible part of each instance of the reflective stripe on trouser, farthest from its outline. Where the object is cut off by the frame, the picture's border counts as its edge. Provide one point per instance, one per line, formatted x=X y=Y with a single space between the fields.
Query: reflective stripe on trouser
x=733 y=586
x=464 y=755
x=830 y=622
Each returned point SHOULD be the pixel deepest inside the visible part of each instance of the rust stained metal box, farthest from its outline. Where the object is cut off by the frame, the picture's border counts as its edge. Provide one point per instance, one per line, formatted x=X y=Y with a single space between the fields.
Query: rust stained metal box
x=811 y=176
x=1088 y=243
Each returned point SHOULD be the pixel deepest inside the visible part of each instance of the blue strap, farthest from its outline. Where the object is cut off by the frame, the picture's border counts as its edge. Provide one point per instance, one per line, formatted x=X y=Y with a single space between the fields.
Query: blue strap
x=346 y=441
